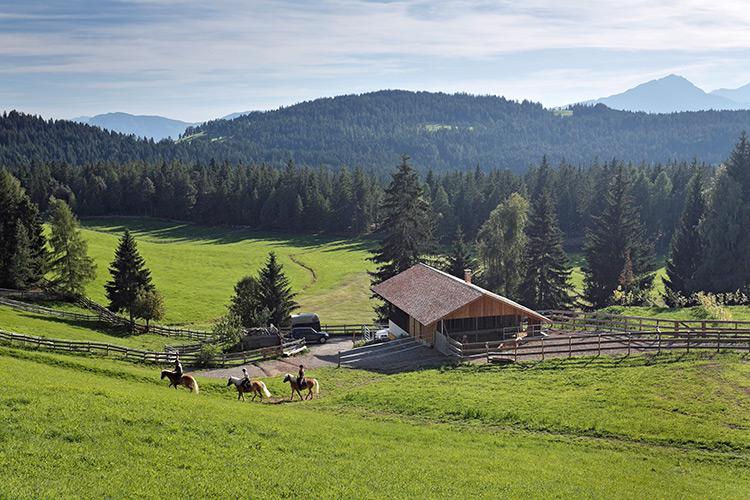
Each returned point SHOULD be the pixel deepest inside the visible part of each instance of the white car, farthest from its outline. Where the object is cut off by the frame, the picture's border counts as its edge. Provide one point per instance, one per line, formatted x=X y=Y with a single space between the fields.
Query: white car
x=383 y=334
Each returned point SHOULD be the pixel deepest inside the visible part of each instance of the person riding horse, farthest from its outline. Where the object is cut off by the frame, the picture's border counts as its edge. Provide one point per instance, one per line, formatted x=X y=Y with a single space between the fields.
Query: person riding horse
x=301 y=382
x=177 y=367
x=245 y=380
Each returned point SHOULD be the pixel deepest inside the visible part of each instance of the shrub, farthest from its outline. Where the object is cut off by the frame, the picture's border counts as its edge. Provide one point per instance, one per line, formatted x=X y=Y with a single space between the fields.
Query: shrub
x=206 y=354
x=710 y=307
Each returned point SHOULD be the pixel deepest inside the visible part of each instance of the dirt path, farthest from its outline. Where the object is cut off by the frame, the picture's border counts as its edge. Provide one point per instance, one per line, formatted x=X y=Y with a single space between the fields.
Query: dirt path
x=293 y=258
x=318 y=355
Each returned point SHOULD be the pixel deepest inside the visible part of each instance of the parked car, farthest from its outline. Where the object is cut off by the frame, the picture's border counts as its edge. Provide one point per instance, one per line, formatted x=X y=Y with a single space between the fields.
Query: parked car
x=309 y=334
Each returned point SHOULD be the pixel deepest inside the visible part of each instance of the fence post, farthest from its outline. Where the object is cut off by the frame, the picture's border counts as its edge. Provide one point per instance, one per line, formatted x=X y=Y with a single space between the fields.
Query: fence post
x=542 y=348
x=658 y=341
x=629 y=336
x=718 y=341
x=688 y=342
x=487 y=350
x=515 y=352
x=599 y=344
x=339 y=363
x=570 y=346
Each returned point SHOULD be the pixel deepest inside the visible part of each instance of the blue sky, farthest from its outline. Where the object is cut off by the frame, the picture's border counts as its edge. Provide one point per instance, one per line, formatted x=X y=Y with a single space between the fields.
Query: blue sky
x=198 y=60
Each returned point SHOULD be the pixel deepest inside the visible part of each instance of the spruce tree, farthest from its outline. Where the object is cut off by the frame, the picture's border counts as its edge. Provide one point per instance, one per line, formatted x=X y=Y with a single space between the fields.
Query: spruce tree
x=546 y=270
x=686 y=248
x=460 y=257
x=406 y=227
x=129 y=276
x=614 y=235
x=275 y=292
x=70 y=265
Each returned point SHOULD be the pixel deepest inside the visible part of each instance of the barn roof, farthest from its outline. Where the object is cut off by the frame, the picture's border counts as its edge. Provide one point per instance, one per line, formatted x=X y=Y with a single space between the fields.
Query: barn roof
x=428 y=294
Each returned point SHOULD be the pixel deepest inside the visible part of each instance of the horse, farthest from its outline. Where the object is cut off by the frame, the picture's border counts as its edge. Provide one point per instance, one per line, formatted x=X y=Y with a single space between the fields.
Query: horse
x=185 y=380
x=311 y=384
x=257 y=387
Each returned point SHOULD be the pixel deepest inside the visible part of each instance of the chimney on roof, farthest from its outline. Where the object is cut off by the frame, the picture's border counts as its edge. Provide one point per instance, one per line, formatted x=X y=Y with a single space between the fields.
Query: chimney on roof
x=467 y=275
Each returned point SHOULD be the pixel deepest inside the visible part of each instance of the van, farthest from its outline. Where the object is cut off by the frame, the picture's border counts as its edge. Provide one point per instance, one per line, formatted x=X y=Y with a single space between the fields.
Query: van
x=310 y=320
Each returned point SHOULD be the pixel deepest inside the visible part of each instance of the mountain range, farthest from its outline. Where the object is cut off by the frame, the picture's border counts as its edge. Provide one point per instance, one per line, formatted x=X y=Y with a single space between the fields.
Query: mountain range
x=673 y=94
x=146 y=126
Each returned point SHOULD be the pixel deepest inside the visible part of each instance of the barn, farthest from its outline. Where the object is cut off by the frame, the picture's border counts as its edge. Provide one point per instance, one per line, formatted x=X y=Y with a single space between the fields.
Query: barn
x=425 y=303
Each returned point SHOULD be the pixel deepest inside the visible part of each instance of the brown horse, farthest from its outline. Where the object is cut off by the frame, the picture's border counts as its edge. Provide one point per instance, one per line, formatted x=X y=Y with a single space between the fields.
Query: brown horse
x=312 y=384
x=257 y=387
x=175 y=380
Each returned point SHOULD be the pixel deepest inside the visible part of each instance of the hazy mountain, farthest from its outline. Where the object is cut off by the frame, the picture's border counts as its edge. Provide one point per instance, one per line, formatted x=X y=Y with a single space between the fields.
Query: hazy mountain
x=232 y=116
x=150 y=127
x=741 y=95
x=670 y=94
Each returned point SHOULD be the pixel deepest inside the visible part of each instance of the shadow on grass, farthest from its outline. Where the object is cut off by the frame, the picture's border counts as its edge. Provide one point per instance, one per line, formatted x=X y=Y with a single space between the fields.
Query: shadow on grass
x=176 y=231
x=93 y=326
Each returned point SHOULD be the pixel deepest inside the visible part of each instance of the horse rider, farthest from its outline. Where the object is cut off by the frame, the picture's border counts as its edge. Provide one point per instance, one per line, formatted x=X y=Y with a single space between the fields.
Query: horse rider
x=177 y=367
x=245 y=380
x=301 y=382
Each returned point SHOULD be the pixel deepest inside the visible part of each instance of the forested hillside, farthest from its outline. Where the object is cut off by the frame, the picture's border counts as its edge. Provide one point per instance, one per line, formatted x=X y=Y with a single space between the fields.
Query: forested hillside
x=439 y=131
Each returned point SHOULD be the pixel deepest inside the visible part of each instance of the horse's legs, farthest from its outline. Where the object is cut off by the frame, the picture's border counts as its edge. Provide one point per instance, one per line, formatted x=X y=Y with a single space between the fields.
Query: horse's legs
x=292 y=397
x=300 y=395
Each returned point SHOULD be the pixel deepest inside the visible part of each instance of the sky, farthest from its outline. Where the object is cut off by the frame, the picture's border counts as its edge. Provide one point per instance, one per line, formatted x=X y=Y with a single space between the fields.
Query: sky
x=197 y=60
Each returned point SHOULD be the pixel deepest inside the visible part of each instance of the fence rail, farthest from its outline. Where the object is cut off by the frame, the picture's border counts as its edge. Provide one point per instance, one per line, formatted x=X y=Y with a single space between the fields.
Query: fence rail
x=142 y=356
x=47 y=311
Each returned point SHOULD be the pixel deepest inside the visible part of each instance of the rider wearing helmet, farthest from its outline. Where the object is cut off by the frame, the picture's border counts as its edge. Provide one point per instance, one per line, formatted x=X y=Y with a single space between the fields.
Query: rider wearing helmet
x=245 y=380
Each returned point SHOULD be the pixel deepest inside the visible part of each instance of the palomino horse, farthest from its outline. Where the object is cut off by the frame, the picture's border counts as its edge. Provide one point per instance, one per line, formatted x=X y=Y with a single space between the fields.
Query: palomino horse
x=312 y=384
x=175 y=380
x=257 y=387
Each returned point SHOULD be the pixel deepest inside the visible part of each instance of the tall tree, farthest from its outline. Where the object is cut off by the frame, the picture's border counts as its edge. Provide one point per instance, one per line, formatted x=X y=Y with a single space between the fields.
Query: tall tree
x=686 y=248
x=500 y=245
x=70 y=264
x=246 y=303
x=23 y=255
x=406 y=227
x=616 y=237
x=545 y=282
x=460 y=258
x=275 y=292
x=726 y=227
x=129 y=276
x=149 y=305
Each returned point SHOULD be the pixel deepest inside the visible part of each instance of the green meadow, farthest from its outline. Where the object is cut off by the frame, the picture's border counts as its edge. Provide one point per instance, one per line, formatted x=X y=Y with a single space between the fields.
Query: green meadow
x=196 y=267
x=660 y=428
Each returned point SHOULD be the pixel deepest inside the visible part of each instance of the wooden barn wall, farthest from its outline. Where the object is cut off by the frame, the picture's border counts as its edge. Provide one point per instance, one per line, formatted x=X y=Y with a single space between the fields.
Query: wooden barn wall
x=486 y=306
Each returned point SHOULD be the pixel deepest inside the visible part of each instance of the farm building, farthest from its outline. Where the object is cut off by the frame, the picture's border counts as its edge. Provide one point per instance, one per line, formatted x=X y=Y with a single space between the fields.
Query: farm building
x=425 y=303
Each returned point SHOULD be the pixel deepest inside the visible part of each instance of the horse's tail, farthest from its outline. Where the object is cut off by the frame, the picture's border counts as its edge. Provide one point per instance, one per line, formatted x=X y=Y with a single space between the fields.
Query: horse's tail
x=265 y=390
x=317 y=387
x=194 y=385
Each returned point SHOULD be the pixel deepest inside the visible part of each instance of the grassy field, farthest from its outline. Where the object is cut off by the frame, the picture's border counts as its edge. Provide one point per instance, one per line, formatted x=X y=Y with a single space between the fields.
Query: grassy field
x=196 y=267
x=59 y=328
x=94 y=428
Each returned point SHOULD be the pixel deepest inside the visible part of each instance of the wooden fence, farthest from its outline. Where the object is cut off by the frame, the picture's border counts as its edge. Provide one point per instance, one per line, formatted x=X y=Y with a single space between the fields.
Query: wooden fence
x=47 y=311
x=586 y=344
x=141 y=356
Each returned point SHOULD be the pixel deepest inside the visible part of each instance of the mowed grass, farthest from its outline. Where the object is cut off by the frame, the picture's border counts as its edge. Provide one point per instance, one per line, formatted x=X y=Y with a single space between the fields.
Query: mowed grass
x=94 y=428
x=58 y=328
x=196 y=267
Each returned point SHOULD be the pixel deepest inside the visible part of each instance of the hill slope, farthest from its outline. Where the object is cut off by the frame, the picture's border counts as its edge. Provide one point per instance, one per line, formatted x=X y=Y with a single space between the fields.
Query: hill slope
x=668 y=431
x=150 y=127
x=438 y=131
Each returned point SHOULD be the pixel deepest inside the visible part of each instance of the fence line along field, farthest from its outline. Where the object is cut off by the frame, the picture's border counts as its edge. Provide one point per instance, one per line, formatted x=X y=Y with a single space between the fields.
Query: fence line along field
x=196 y=267
x=611 y=429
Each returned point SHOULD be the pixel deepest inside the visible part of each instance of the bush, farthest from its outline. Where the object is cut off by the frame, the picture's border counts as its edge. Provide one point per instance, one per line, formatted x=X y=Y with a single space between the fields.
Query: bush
x=207 y=354
x=710 y=307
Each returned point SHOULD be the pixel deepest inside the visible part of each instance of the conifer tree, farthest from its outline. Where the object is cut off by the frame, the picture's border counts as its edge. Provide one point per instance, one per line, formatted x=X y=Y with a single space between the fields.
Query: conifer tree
x=546 y=270
x=246 y=303
x=70 y=265
x=686 y=249
x=406 y=227
x=275 y=292
x=460 y=257
x=614 y=235
x=129 y=276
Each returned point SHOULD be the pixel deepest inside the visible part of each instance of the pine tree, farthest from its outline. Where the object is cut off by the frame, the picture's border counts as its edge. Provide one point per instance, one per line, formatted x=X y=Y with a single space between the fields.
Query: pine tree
x=406 y=227
x=546 y=270
x=460 y=258
x=21 y=261
x=129 y=276
x=686 y=249
x=500 y=245
x=615 y=234
x=70 y=265
x=275 y=292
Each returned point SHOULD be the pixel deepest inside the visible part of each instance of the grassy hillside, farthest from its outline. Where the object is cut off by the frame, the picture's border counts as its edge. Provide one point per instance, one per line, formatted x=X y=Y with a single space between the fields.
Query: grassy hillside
x=88 y=427
x=196 y=267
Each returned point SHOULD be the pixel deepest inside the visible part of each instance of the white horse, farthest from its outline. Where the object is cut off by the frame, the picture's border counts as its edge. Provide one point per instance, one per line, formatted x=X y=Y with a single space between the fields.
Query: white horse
x=257 y=387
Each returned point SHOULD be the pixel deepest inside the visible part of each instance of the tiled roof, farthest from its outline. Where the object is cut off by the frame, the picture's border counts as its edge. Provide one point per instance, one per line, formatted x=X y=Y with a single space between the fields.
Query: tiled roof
x=428 y=294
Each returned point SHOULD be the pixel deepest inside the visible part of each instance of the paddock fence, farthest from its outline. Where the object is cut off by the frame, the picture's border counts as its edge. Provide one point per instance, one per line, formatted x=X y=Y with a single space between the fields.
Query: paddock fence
x=190 y=358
